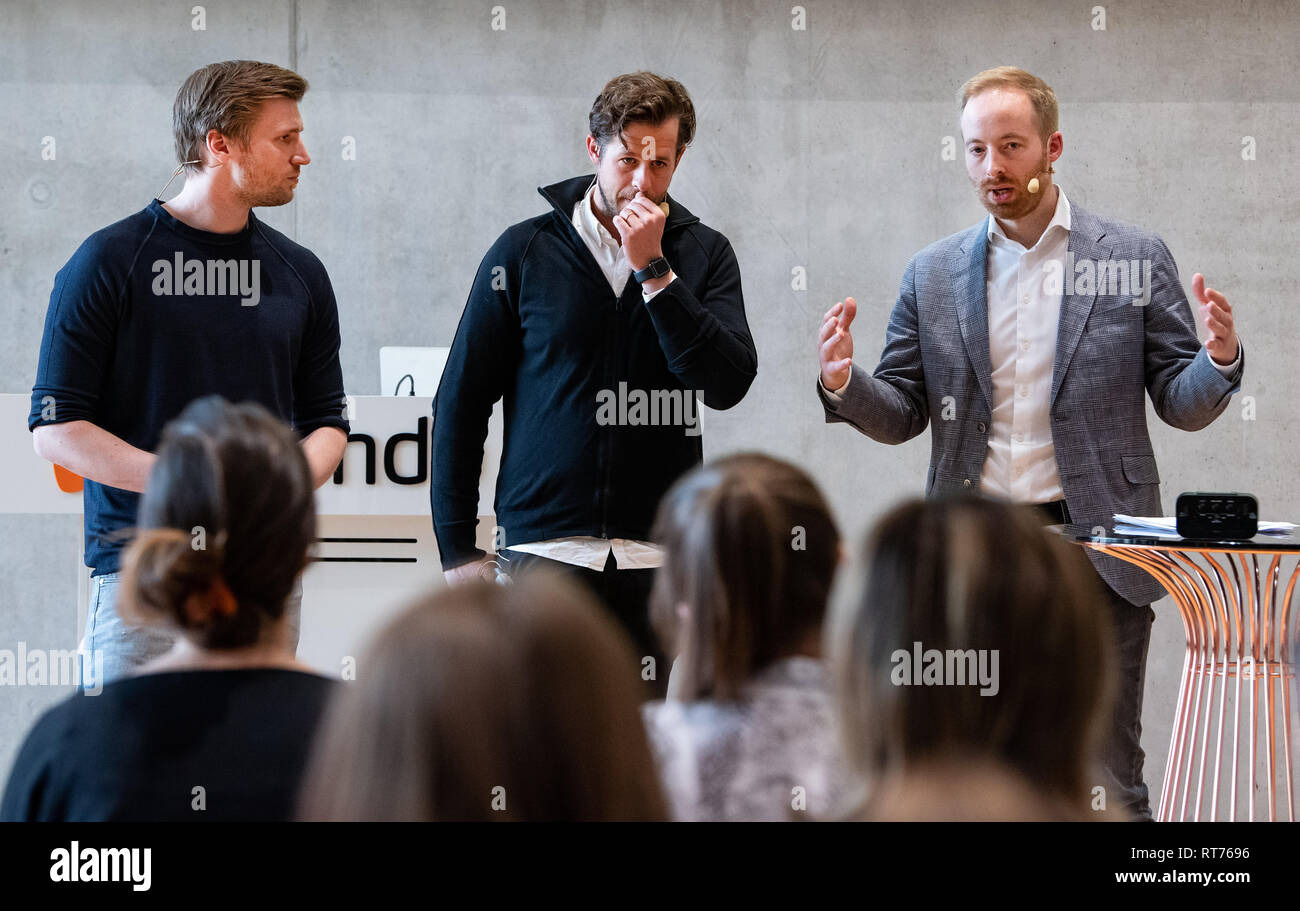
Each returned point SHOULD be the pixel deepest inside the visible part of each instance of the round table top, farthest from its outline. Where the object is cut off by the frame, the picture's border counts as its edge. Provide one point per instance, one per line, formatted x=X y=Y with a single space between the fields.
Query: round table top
x=1085 y=534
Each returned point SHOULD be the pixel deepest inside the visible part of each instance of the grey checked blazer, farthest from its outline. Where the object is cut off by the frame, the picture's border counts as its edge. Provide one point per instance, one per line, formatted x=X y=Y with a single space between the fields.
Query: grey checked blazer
x=1109 y=353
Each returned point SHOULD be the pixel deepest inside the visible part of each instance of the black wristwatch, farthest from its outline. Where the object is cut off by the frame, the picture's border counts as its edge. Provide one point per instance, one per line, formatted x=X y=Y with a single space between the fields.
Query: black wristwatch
x=656 y=268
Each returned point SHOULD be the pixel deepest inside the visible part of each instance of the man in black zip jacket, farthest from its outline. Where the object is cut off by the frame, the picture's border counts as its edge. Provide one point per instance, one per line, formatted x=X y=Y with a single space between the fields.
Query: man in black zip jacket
x=598 y=322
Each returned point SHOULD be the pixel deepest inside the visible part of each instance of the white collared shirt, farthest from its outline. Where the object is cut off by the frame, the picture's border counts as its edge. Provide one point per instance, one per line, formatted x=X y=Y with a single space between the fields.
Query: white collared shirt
x=604 y=246
x=1023 y=315
x=581 y=550
x=592 y=553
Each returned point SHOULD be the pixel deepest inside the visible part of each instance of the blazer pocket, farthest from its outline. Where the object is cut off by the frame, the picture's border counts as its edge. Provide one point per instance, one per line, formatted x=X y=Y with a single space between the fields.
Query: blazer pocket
x=1141 y=469
x=1118 y=306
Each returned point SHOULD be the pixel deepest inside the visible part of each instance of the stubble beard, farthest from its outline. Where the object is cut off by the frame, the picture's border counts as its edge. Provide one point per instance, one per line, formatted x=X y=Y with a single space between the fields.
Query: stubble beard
x=1016 y=208
x=257 y=191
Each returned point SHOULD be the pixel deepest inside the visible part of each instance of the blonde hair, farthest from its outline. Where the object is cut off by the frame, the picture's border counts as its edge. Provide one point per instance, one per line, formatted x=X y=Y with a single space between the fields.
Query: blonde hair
x=1040 y=94
x=226 y=97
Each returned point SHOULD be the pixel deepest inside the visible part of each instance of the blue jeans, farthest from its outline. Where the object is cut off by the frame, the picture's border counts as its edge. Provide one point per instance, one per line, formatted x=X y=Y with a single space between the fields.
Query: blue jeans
x=125 y=647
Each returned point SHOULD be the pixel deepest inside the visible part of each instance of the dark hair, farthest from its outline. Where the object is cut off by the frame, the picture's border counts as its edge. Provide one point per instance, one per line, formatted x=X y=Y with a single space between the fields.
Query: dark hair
x=971 y=573
x=225 y=524
x=641 y=97
x=750 y=550
x=525 y=695
x=226 y=97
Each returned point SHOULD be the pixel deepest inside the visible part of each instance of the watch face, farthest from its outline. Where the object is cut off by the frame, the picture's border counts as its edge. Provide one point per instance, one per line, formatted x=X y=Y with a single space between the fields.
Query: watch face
x=656 y=268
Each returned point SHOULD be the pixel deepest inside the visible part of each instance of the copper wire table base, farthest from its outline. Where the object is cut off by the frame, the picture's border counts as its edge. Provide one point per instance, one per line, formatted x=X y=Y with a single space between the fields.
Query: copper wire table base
x=1238 y=633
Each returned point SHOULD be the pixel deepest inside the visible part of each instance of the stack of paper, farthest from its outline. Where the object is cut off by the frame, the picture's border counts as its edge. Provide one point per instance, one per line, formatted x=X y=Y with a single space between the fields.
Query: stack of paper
x=1166 y=526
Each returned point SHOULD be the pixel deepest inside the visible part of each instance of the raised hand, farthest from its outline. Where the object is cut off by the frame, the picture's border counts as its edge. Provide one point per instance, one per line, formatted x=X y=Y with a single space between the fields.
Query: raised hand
x=641 y=230
x=836 y=344
x=1216 y=314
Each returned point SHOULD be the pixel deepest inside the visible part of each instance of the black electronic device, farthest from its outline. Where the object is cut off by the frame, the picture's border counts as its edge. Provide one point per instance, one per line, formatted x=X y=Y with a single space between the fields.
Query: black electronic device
x=1205 y=516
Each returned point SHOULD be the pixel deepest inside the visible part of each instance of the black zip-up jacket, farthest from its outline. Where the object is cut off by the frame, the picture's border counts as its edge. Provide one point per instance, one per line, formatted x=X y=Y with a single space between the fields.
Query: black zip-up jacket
x=543 y=330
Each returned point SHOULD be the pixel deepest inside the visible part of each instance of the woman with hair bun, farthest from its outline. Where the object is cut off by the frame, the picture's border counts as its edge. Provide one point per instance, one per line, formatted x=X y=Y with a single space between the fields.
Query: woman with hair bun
x=218 y=728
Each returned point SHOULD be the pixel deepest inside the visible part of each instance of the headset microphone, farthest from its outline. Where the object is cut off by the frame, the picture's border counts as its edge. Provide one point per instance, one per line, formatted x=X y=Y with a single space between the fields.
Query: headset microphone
x=1033 y=184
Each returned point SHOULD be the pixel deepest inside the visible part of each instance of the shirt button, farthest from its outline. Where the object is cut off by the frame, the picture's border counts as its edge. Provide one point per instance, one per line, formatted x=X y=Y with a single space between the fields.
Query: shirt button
x=982 y=427
x=1022 y=391
x=965 y=482
x=1019 y=438
x=1024 y=344
x=1024 y=300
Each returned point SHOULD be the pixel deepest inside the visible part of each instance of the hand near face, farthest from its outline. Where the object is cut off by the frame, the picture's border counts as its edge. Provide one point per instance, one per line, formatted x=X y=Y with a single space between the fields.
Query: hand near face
x=641 y=229
x=1216 y=315
x=835 y=352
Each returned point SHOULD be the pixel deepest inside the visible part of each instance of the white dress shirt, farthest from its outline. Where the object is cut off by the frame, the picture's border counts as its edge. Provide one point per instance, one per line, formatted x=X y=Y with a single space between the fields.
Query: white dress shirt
x=1023 y=316
x=1020 y=464
x=582 y=550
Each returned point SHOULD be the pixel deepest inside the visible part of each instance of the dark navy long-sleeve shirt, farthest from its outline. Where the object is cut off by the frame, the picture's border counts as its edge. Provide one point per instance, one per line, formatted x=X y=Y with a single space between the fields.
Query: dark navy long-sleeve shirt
x=150 y=313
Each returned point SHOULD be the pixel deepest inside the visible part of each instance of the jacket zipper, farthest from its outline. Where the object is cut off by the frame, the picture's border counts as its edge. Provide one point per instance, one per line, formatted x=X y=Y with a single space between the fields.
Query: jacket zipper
x=609 y=451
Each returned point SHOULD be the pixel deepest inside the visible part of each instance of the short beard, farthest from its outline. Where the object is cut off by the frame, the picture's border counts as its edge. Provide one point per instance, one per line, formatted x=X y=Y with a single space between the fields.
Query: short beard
x=1033 y=199
x=606 y=204
x=255 y=193
x=266 y=198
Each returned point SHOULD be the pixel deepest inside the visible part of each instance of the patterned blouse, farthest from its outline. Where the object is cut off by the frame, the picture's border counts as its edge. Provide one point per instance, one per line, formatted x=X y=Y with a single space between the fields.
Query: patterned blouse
x=771 y=755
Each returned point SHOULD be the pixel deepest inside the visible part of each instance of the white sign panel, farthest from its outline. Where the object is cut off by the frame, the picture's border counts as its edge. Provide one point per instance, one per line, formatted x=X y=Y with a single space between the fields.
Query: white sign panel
x=385 y=468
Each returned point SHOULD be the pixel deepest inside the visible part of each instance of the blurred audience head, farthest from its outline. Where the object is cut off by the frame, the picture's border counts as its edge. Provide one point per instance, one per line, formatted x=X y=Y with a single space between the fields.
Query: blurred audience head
x=224 y=527
x=974 y=789
x=979 y=643
x=490 y=702
x=750 y=550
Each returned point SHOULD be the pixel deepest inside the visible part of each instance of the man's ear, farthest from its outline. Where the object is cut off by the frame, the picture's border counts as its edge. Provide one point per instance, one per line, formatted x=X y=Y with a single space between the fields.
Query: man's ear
x=593 y=150
x=218 y=148
x=1055 y=145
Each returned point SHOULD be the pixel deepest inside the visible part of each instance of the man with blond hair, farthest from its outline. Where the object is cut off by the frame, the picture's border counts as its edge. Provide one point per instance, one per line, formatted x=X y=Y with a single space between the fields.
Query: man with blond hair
x=191 y=297
x=1028 y=344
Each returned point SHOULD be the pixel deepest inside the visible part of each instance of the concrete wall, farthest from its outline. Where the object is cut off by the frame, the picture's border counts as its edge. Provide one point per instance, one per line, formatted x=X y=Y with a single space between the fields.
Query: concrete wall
x=818 y=148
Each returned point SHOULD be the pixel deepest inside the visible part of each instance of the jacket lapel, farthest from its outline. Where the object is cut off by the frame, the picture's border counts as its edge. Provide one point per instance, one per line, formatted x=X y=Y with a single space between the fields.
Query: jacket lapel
x=972 y=307
x=1086 y=244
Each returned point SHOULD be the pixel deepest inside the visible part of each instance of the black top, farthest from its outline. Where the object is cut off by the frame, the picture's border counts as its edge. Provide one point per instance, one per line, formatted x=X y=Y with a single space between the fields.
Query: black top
x=596 y=424
x=150 y=313
x=141 y=748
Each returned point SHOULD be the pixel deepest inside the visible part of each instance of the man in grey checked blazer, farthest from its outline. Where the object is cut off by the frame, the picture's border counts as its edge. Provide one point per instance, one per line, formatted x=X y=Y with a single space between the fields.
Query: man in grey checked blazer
x=1063 y=424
